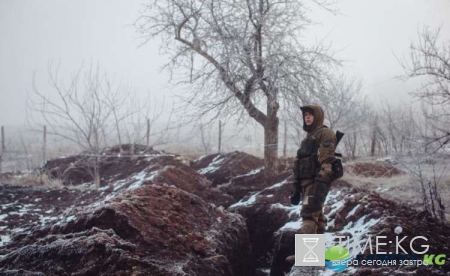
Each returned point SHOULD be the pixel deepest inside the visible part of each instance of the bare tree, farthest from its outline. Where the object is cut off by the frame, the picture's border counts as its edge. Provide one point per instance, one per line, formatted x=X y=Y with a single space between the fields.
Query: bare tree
x=403 y=130
x=429 y=61
x=431 y=196
x=239 y=57
x=121 y=110
x=85 y=112
x=350 y=143
x=205 y=137
x=345 y=109
x=389 y=114
x=342 y=101
x=148 y=122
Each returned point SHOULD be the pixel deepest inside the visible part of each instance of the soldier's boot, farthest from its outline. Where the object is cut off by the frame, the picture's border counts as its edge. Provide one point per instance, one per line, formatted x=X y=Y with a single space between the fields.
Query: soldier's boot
x=308 y=227
x=290 y=259
x=322 y=225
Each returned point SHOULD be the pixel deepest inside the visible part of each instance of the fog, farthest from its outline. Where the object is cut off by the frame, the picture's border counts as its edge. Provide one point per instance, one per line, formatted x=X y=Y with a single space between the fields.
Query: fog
x=367 y=36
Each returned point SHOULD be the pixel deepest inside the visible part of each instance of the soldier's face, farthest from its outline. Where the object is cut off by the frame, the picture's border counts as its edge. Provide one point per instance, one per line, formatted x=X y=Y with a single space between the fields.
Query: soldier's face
x=309 y=118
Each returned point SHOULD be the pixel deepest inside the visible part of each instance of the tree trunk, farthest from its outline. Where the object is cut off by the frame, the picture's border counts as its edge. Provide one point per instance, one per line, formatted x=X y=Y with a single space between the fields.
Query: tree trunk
x=355 y=141
x=374 y=138
x=285 y=140
x=271 y=142
x=97 y=171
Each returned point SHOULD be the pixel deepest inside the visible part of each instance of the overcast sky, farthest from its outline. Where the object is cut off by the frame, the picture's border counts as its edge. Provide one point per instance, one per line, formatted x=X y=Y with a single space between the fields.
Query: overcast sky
x=368 y=34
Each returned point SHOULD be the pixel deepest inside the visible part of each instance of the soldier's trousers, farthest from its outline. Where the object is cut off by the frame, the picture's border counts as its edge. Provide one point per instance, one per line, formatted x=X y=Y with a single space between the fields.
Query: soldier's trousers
x=314 y=195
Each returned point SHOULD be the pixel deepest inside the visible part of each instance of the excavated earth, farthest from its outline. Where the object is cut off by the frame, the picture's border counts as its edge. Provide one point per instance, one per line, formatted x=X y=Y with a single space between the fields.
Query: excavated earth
x=153 y=230
x=154 y=215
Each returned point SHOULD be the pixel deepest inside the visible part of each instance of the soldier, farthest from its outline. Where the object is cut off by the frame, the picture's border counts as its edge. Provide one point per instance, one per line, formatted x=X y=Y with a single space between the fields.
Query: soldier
x=314 y=169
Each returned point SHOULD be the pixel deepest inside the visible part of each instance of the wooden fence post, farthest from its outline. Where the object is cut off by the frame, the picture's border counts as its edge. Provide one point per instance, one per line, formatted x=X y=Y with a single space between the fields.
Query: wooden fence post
x=44 y=146
x=3 y=147
x=220 y=134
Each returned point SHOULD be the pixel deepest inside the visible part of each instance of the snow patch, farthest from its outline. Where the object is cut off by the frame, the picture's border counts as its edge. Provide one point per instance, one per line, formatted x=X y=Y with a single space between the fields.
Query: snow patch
x=276 y=185
x=4 y=239
x=213 y=166
x=247 y=202
x=352 y=212
x=71 y=218
x=292 y=225
x=119 y=184
x=290 y=209
x=255 y=171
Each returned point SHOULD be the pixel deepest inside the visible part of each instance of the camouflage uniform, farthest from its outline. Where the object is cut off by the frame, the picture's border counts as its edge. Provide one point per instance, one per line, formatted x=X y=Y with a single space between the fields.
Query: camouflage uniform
x=315 y=174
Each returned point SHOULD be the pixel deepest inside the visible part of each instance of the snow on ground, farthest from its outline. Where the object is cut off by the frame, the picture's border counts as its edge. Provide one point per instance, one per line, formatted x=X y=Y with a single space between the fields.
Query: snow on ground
x=291 y=210
x=201 y=157
x=292 y=225
x=252 y=199
x=141 y=178
x=136 y=181
x=277 y=185
x=71 y=218
x=43 y=219
x=247 y=202
x=252 y=172
x=213 y=166
x=4 y=239
x=359 y=228
x=352 y=212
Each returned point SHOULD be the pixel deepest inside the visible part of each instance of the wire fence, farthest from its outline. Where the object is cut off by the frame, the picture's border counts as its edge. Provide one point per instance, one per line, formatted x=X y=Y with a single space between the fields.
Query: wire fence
x=25 y=147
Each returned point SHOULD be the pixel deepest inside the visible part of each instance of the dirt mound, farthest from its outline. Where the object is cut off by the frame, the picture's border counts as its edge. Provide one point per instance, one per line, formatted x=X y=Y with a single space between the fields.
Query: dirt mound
x=221 y=168
x=175 y=173
x=166 y=169
x=22 y=208
x=141 y=225
x=114 y=164
x=286 y=164
x=376 y=169
x=251 y=182
x=238 y=174
x=153 y=230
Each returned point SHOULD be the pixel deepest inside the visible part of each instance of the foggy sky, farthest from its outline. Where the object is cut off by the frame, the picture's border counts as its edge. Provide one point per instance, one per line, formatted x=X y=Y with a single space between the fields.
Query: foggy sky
x=367 y=34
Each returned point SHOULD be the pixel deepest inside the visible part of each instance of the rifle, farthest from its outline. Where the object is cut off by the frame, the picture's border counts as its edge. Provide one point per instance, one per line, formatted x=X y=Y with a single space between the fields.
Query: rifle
x=339 y=136
x=336 y=166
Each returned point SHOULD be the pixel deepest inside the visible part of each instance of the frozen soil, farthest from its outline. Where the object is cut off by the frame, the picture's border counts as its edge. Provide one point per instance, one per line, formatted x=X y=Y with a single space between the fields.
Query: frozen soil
x=155 y=215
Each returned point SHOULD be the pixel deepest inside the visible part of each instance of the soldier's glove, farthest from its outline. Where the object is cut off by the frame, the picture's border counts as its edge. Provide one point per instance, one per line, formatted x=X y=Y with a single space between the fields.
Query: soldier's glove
x=296 y=194
x=336 y=167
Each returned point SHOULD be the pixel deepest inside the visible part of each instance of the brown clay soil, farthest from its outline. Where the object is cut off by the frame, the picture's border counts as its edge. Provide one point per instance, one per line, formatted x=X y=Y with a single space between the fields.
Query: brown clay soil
x=155 y=215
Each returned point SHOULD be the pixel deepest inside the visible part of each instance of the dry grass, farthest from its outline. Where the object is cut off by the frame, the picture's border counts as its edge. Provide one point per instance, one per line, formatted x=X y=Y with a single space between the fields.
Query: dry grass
x=377 y=182
x=36 y=180
x=401 y=188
